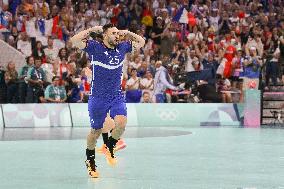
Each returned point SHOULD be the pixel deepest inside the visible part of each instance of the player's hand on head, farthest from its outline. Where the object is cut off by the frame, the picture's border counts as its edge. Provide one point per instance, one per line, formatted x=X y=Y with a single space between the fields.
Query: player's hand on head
x=97 y=29
x=123 y=32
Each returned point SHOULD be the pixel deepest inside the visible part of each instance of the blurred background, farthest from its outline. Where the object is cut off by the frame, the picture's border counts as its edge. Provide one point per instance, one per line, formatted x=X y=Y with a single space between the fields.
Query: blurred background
x=211 y=51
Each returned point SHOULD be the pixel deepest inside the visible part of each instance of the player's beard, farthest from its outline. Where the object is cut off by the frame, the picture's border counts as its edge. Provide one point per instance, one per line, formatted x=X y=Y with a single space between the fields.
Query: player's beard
x=113 y=42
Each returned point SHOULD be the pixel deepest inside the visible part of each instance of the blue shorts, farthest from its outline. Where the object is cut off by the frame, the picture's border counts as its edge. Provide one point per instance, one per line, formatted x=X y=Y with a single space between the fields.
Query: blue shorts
x=99 y=108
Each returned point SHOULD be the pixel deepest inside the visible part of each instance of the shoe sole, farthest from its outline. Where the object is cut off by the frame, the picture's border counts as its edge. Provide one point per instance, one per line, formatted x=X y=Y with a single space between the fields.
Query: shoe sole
x=110 y=161
x=96 y=175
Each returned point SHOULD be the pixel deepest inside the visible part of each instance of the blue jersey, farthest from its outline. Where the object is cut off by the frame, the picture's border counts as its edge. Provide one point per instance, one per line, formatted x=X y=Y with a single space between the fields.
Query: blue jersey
x=106 y=68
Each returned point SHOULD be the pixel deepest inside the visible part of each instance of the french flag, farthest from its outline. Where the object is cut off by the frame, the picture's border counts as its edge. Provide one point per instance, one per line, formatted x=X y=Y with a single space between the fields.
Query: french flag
x=41 y=25
x=3 y=20
x=181 y=16
x=184 y=17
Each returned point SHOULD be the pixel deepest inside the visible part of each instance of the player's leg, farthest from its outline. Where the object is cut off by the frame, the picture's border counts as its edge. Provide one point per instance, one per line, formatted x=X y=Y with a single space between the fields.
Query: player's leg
x=118 y=112
x=90 y=152
x=107 y=127
x=97 y=115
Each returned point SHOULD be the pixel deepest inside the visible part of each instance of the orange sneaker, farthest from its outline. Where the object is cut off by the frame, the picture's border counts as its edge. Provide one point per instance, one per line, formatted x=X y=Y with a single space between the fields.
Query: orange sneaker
x=102 y=150
x=93 y=173
x=119 y=145
x=111 y=159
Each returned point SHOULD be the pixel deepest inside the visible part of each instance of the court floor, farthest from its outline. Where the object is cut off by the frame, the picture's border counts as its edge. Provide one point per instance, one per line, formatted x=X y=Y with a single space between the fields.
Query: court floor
x=155 y=158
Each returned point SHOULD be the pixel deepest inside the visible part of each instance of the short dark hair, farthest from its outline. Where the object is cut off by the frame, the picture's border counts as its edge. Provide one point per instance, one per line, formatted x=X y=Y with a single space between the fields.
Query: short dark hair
x=107 y=26
x=50 y=38
x=145 y=92
x=38 y=58
x=99 y=36
x=28 y=58
x=133 y=69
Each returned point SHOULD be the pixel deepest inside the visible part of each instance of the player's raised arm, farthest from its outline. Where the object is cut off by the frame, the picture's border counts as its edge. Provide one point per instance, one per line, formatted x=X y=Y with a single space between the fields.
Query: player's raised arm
x=137 y=41
x=79 y=40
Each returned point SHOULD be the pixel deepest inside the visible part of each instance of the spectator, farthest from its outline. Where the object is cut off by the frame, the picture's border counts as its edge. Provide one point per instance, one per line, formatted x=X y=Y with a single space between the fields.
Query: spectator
x=215 y=26
x=11 y=79
x=86 y=74
x=208 y=63
x=50 y=51
x=38 y=51
x=147 y=83
x=48 y=68
x=60 y=66
x=41 y=97
x=75 y=95
x=214 y=19
x=14 y=33
x=12 y=42
x=272 y=68
x=224 y=88
x=55 y=93
x=136 y=64
x=73 y=73
x=92 y=11
x=24 y=45
x=254 y=42
x=69 y=48
x=133 y=93
x=251 y=72
x=36 y=80
x=157 y=31
x=190 y=60
x=42 y=6
x=162 y=81
x=146 y=97
x=124 y=19
x=23 y=79
x=238 y=69
x=168 y=39
x=142 y=69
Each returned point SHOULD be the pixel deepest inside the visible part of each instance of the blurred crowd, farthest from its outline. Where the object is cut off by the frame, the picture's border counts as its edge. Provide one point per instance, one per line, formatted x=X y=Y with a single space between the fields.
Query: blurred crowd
x=196 y=50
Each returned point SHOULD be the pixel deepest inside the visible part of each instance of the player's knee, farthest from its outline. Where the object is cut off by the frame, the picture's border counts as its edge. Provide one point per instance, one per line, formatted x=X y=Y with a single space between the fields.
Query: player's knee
x=92 y=138
x=95 y=134
x=108 y=125
x=109 y=122
x=120 y=121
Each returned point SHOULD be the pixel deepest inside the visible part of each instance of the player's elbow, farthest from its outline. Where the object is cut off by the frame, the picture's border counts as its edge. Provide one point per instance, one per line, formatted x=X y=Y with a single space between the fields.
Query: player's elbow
x=77 y=43
x=140 y=43
x=138 y=46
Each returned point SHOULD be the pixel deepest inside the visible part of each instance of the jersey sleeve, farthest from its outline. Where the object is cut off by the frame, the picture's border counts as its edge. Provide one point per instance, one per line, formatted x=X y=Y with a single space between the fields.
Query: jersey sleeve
x=91 y=46
x=128 y=46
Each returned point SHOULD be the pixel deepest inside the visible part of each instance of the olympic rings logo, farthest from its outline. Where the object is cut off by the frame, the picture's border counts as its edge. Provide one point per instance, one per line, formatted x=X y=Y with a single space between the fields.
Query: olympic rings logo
x=167 y=114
